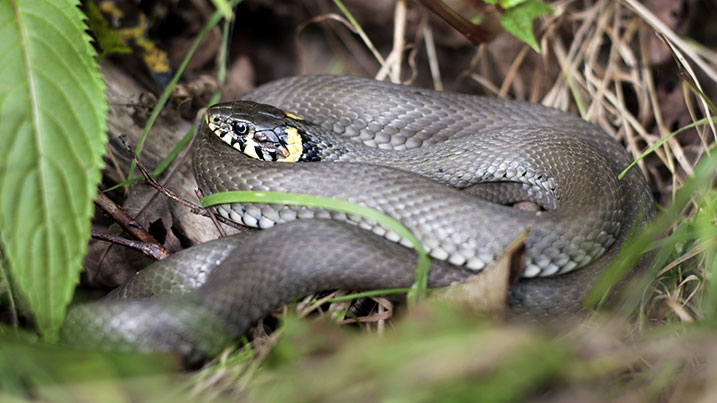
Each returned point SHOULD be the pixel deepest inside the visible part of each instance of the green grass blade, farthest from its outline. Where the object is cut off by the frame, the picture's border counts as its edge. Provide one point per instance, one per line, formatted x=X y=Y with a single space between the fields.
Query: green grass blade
x=186 y=139
x=164 y=97
x=662 y=141
x=166 y=161
x=418 y=288
x=360 y=31
x=631 y=251
x=367 y=294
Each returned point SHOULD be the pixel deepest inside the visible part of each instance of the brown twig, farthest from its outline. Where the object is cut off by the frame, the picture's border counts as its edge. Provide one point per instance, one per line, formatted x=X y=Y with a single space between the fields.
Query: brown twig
x=474 y=33
x=211 y=214
x=130 y=225
x=154 y=250
x=194 y=208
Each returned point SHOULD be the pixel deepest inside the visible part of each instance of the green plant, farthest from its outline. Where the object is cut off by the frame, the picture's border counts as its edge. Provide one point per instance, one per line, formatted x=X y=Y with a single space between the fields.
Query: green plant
x=52 y=127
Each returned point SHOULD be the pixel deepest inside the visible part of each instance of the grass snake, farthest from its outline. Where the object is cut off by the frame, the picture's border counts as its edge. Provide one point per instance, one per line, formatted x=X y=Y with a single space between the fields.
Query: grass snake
x=447 y=166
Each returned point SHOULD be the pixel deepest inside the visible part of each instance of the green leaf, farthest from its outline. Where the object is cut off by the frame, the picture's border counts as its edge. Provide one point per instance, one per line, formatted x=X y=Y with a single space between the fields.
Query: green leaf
x=518 y=20
x=52 y=131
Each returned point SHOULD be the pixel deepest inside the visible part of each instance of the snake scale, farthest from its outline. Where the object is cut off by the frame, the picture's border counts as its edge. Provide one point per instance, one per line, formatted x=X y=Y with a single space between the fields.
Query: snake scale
x=447 y=166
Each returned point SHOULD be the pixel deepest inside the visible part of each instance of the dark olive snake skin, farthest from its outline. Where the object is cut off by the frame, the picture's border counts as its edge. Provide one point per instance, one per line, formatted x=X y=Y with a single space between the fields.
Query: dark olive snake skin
x=456 y=147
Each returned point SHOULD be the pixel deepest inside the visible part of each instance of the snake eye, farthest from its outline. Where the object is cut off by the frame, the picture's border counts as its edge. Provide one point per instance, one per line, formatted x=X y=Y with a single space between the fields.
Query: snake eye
x=240 y=127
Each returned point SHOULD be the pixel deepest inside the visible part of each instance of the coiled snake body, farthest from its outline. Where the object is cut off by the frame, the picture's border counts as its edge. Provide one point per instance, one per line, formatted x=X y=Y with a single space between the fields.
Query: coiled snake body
x=444 y=165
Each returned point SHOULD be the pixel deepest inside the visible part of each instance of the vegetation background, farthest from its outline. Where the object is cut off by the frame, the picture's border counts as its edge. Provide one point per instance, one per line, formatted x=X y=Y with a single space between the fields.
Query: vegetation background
x=643 y=71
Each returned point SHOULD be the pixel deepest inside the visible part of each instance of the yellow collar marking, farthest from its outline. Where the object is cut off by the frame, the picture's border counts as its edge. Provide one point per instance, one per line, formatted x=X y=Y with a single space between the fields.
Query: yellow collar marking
x=293 y=145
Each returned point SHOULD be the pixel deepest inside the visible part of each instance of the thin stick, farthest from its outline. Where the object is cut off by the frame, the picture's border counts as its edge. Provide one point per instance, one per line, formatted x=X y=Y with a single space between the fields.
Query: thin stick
x=153 y=250
x=432 y=56
x=211 y=214
x=474 y=33
x=194 y=208
x=399 y=32
x=128 y=223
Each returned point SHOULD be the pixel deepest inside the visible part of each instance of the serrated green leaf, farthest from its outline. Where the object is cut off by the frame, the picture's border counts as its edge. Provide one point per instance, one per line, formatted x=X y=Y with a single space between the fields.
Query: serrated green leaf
x=518 y=20
x=52 y=131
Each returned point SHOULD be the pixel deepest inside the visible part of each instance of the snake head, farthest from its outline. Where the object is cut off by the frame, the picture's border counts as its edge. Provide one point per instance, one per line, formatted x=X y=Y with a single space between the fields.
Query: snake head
x=257 y=130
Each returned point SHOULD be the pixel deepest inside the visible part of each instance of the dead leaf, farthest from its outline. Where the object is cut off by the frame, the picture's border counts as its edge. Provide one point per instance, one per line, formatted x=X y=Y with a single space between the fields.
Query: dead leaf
x=487 y=291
